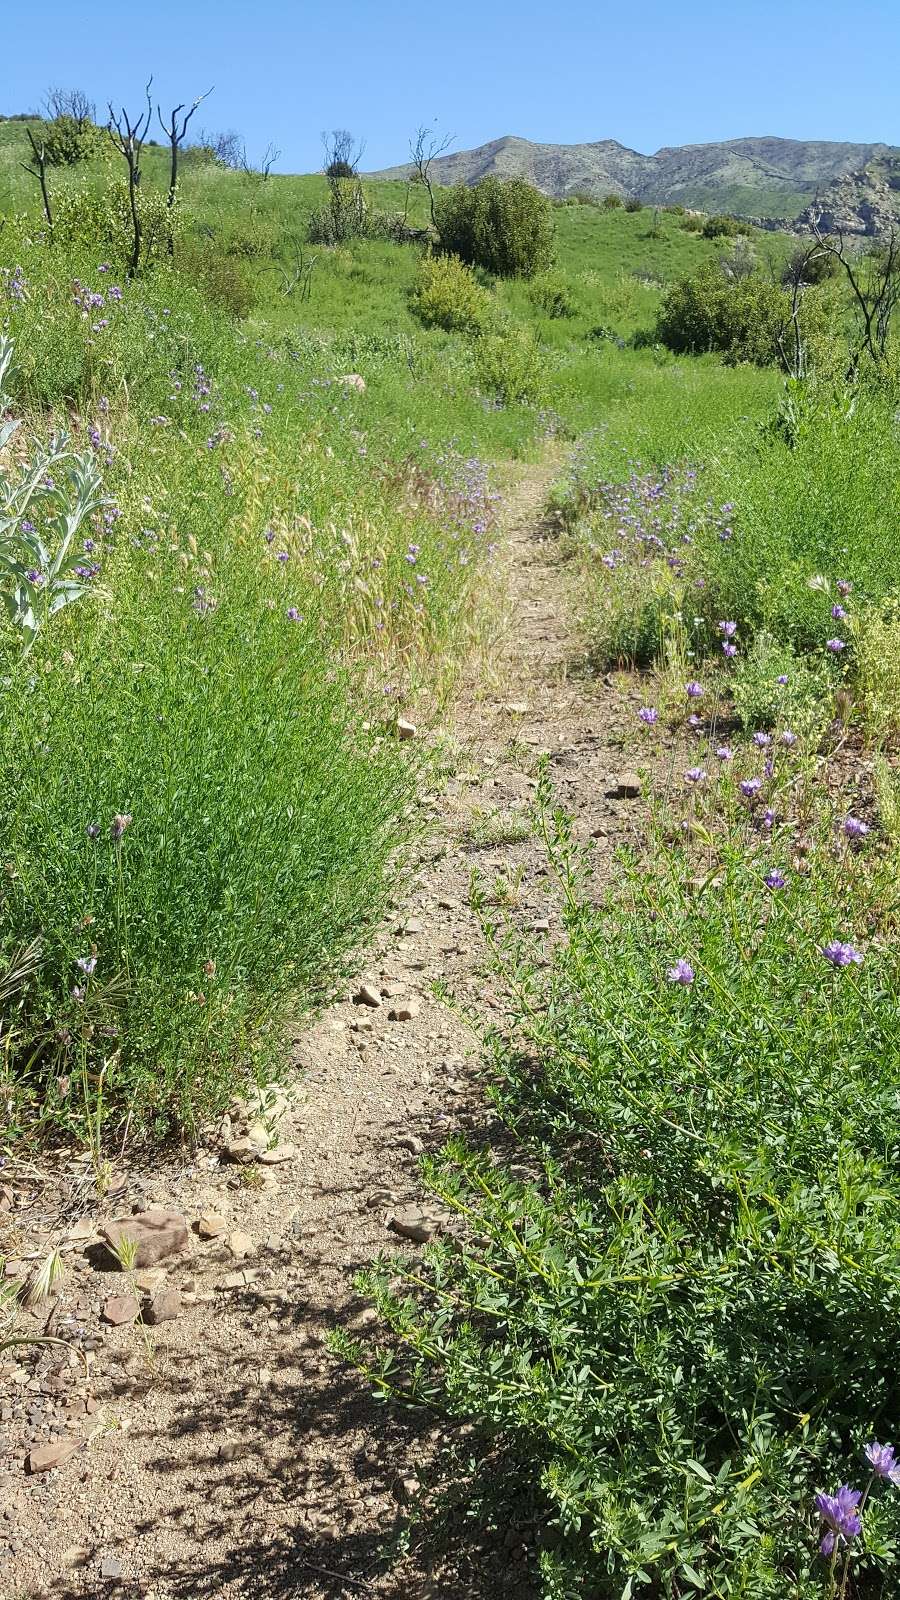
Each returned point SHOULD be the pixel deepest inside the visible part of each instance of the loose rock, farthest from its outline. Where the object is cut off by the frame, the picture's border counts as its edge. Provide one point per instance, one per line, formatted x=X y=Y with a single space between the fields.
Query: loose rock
x=155 y=1234
x=405 y=1011
x=211 y=1225
x=627 y=786
x=47 y=1456
x=121 y=1308
x=366 y=995
x=413 y=1225
x=165 y=1306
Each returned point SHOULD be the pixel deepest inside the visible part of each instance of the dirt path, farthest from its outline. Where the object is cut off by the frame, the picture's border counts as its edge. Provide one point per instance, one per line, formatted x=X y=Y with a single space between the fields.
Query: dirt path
x=238 y=1459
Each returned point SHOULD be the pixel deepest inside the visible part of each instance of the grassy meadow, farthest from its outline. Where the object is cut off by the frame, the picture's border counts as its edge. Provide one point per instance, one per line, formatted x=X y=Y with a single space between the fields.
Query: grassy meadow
x=249 y=516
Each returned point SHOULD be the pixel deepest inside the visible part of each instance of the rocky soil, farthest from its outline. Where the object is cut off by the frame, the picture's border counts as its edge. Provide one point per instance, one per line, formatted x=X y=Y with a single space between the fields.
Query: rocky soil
x=192 y=1436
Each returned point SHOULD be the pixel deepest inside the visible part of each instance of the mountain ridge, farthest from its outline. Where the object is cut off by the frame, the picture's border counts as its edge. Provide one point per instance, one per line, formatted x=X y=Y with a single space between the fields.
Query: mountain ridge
x=753 y=175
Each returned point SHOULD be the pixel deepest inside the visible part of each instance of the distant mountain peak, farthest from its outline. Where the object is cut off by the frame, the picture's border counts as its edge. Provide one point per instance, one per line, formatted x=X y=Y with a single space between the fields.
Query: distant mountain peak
x=757 y=176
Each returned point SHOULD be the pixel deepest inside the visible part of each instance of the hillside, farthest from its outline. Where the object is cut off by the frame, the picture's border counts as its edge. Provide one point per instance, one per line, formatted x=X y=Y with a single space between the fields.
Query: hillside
x=764 y=176
x=865 y=202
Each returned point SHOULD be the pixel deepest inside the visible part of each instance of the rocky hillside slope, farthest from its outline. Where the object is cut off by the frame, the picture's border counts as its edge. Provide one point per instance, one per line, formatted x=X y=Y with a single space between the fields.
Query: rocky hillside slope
x=764 y=176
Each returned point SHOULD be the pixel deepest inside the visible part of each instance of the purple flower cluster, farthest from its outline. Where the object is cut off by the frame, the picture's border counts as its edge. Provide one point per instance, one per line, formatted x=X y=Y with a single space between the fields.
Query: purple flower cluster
x=840 y=1514
x=841 y=955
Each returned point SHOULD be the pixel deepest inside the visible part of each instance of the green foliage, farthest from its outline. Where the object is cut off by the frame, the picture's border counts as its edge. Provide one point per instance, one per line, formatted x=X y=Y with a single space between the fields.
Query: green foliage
x=633 y=204
x=612 y=202
x=448 y=295
x=509 y=365
x=721 y=227
x=68 y=140
x=877 y=669
x=504 y=225
x=552 y=294
x=772 y=687
x=671 y=1299
x=692 y=222
x=86 y=216
x=740 y=317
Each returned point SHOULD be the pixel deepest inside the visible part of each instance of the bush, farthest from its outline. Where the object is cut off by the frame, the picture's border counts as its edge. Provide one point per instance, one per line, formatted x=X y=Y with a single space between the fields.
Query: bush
x=509 y=365
x=612 y=202
x=721 y=227
x=633 y=204
x=69 y=140
x=221 y=279
x=668 y=1305
x=504 y=225
x=448 y=295
x=692 y=223
x=552 y=294
x=740 y=318
x=810 y=269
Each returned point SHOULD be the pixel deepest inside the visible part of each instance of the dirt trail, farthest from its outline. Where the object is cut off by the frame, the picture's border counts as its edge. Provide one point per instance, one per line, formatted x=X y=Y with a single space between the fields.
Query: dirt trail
x=241 y=1460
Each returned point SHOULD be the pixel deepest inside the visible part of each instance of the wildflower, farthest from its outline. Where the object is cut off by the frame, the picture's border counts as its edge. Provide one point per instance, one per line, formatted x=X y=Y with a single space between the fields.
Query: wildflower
x=93 y=830
x=729 y=650
x=841 y=955
x=854 y=828
x=293 y=614
x=120 y=822
x=694 y=721
x=788 y=737
x=775 y=879
x=695 y=775
x=782 y=679
x=838 y=613
x=282 y=556
x=768 y=818
x=682 y=972
x=79 y=992
x=26 y=526
x=648 y=714
x=693 y=690
x=725 y=753
x=761 y=740
x=114 y=292
x=835 y=646
x=728 y=629
x=87 y=965
x=750 y=787
x=35 y=578
x=268 y=536
x=882 y=1460
x=843 y=587
x=840 y=1514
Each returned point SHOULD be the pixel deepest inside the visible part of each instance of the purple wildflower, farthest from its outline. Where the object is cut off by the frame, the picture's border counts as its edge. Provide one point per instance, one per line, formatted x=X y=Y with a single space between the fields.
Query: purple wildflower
x=775 y=879
x=694 y=721
x=682 y=972
x=782 y=679
x=788 y=737
x=882 y=1460
x=843 y=587
x=693 y=690
x=840 y=1514
x=725 y=753
x=695 y=775
x=87 y=964
x=282 y=556
x=729 y=649
x=120 y=822
x=729 y=629
x=768 y=818
x=293 y=614
x=835 y=646
x=761 y=740
x=751 y=787
x=841 y=955
x=854 y=828
x=93 y=830
x=35 y=578
x=838 y=613
x=648 y=714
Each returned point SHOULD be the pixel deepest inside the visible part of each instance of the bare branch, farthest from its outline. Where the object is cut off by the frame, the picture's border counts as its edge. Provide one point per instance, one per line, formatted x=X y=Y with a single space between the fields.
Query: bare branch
x=175 y=133
x=39 y=171
x=425 y=148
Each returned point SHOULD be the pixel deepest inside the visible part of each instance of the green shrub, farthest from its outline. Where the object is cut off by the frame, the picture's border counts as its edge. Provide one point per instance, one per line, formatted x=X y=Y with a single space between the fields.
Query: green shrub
x=721 y=227
x=612 y=202
x=877 y=670
x=552 y=294
x=804 y=267
x=223 y=280
x=510 y=365
x=633 y=204
x=773 y=687
x=692 y=223
x=502 y=224
x=669 y=1305
x=69 y=140
x=448 y=295
x=741 y=318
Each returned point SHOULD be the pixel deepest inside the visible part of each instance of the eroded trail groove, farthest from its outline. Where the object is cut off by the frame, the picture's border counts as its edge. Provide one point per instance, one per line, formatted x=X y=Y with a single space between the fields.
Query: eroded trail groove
x=232 y=1455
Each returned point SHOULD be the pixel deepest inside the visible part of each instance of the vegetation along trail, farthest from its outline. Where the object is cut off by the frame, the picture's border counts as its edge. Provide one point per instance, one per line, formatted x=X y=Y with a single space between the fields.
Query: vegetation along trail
x=225 y=1451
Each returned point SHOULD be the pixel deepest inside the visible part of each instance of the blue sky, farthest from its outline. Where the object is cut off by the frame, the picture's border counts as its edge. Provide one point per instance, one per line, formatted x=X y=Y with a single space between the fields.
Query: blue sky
x=647 y=73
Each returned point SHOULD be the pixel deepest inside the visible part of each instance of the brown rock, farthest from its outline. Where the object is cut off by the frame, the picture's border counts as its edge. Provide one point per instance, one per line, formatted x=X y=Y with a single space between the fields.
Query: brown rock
x=627 y=786
x=47 y=1456
x=278 y=1154
x=164 y=1307
x=413 y=1225
x=366 y=995
x=121 y=1308
x=353 y=380
x=242 y=1151
x=155 y=1234
x=240 y=1245
x=404 y=1011
x=405 y=730
x=210 y=1225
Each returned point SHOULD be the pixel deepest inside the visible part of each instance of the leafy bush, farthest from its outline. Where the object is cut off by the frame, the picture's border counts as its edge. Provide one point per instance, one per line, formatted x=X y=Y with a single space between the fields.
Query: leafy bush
x=721 y=227
x=877 y=670
x=612 y=202
x=552 y=294
x=509 y=365
x=670 y=1301
x=85 y=217
x=633 y=204
x=69 y=140
x=502 y=224
x=811 y=267
x=741 y=317
x=223 y=280
x=692 y=223
x=448 y=295
x=771 y=686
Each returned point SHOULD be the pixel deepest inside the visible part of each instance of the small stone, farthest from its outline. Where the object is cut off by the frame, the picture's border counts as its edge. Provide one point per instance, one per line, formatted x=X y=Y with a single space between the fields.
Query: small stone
x=165 y=1306
x=259 y=1133
x=231 y=1450
x=411 y=1143
x=242 y=1151
x=405 y=1011
x=278 y=1154
x=155 y=1234
x=412 y=925
x=150 y=1281
x=366 y=995
x=541 y=925
x=121 y=1308
x=210 y=1225
x=408 y=1489
x=240 y=1245
x=47 y=1456
x=414 y=1225
x=237 y=1280
x=517 y=708
x=353 y=380
x=627 y=786
x=110 y=1567
x=405 y=730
